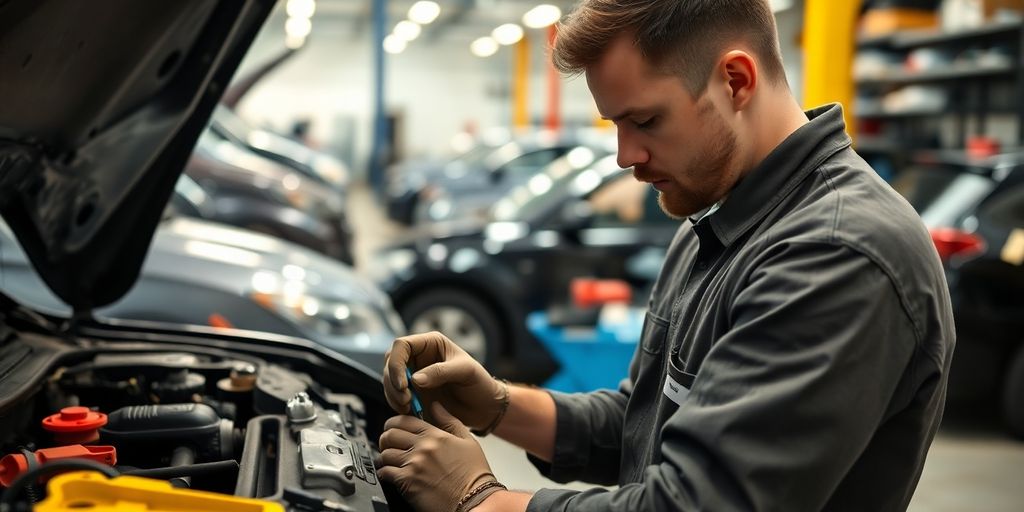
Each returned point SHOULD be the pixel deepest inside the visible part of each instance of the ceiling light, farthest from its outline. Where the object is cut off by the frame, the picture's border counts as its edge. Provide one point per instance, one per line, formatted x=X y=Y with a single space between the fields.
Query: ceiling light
x=394 y=44
x=542 y=16
x=424 y=12
x=294 y=43
x=507 y=34
x=484 y=47
x=407 y=30
x=298 y=27
x=300 y=8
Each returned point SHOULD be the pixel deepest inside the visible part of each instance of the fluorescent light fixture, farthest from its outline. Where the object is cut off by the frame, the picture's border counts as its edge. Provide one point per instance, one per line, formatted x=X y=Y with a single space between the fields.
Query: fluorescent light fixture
x=293 y=42
x=507 y=34
x=298 y=27
x=407 y=30
x=542 y=16
x=300 y=8
x=484 y=47
x=424 y=12
x=394 y=44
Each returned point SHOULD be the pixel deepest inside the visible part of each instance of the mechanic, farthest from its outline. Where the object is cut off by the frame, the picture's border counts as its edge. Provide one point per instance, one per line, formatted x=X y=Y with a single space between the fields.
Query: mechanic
x=797 y=343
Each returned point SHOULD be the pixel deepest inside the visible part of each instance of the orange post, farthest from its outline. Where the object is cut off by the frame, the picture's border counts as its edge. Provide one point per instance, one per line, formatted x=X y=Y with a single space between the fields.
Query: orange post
x=553 y=121
x=521 y=80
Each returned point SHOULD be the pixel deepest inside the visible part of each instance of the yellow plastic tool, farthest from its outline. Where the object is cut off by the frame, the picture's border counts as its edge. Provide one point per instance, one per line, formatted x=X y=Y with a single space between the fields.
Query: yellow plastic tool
x=89 y=490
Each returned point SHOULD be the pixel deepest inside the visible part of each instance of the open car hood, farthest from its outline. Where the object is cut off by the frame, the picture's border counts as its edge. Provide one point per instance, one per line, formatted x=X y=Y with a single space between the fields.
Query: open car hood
x=101 y=103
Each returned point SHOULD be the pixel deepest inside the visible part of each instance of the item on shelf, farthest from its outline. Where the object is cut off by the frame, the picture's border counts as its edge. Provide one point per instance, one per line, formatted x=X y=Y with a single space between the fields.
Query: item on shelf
x=968 y=14
x=981 y=146
x=875 y=64
x=1000 y=56
x=885 y=20
x=926 y=59
x=916 y=98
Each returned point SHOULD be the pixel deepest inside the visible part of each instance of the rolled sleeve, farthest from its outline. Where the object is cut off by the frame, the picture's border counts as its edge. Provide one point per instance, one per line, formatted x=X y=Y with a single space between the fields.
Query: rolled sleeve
x=786 y=402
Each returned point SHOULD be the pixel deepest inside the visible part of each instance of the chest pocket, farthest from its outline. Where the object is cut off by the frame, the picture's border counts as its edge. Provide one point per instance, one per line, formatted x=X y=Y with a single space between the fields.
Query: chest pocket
x=640 y=435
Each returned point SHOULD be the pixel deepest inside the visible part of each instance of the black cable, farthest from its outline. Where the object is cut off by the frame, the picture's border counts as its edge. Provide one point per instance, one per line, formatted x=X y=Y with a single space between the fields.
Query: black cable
x=195 y=470
x=7 y=502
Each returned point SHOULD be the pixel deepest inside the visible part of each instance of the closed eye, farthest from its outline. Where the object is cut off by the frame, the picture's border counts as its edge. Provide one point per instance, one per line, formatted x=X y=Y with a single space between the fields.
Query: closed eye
x=644 y=125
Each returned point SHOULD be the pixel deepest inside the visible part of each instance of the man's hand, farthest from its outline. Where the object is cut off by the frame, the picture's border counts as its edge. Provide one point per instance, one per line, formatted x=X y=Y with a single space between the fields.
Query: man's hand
x=443 y=373
x=433 y=468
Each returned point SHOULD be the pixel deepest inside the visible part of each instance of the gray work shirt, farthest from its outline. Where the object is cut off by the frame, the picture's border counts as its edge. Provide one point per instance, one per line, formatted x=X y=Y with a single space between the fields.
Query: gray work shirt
x=805 y=331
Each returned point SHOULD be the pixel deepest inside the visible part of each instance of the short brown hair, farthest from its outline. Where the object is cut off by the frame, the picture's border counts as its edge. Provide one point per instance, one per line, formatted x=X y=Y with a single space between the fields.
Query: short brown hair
x=683 y=37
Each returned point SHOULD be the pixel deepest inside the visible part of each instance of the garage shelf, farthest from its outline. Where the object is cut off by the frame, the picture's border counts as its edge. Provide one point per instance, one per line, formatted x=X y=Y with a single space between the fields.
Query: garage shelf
x=917 y=38
x=976 y=93
x=942 y=75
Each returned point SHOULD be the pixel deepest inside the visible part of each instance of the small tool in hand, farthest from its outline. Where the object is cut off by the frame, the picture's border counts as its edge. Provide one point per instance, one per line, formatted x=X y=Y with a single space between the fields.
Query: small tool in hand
x=417 y=407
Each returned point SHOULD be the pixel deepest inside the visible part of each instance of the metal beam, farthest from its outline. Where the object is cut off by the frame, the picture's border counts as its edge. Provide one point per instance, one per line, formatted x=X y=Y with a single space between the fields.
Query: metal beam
x=380 y=152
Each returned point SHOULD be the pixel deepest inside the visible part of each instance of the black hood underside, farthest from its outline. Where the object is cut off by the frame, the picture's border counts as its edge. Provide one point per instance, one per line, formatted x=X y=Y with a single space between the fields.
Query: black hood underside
x=101 y=103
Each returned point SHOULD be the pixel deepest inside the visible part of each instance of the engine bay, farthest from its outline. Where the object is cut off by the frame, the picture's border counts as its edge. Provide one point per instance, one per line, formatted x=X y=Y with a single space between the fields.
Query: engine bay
x=217 y=422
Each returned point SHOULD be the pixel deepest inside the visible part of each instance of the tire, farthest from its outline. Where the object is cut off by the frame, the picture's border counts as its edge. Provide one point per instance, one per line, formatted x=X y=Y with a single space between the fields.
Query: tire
x=461 y=316
x=1013 y=395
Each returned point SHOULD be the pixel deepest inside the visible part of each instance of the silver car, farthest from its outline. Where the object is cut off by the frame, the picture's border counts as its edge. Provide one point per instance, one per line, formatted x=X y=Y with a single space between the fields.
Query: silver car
x=203 y=273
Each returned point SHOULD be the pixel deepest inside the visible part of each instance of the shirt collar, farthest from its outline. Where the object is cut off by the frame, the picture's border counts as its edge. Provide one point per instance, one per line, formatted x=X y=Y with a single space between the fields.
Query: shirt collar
x=778 y=174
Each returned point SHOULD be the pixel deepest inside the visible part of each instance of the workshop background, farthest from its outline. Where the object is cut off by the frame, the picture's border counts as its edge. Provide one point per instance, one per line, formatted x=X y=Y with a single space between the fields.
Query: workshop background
x=430 y=151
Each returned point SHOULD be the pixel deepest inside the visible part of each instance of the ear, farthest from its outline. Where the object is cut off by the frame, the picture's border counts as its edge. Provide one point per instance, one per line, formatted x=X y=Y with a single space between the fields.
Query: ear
x=739 y=69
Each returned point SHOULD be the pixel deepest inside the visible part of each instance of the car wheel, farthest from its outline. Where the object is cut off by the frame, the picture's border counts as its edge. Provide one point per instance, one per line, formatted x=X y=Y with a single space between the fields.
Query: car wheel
x=460 y=316
x=1013 y=395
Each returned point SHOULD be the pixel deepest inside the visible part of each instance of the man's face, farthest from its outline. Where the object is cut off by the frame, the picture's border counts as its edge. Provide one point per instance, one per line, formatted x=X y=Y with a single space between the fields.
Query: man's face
x=682 y=145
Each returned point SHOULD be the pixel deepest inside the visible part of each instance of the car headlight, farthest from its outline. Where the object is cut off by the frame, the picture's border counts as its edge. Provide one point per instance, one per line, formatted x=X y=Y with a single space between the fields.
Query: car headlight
x=389 y=263
x=440 y=209
x=332 y=170
x=325 y=317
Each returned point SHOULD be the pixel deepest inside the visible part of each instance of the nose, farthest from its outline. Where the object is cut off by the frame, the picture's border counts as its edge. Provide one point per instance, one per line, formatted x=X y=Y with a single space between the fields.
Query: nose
x=630 y=153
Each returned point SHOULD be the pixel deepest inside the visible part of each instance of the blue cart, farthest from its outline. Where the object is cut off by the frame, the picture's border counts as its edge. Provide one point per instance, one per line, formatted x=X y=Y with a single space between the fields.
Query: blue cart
x=591 y=356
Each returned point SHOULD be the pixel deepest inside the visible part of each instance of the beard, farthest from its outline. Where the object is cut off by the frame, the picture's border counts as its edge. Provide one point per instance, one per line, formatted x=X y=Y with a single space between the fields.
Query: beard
x=707 y=172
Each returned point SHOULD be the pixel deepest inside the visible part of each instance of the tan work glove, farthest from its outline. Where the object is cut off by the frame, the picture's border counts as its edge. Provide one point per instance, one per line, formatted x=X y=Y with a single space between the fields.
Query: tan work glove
x=442 y=469
x=443 y=372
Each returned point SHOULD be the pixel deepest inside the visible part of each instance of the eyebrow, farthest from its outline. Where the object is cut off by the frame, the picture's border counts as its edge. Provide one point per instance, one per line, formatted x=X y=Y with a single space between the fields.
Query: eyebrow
x=627 y=113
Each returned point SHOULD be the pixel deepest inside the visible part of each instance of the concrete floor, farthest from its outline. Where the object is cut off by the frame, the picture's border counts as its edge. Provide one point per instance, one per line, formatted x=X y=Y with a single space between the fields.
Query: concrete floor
x=972 y=466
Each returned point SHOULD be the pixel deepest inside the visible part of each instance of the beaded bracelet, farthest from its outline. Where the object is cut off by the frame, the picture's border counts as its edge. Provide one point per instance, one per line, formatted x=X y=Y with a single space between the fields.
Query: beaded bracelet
x=475 y=497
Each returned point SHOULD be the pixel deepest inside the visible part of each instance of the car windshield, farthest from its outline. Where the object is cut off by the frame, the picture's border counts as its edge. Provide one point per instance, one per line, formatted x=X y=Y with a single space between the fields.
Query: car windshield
x=942 y=195
x=473 y=157
x=574 y=175
x=231 y=123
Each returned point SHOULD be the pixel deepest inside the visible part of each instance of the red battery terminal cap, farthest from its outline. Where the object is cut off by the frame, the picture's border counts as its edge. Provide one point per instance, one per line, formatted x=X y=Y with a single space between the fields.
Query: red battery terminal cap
x=75 y=425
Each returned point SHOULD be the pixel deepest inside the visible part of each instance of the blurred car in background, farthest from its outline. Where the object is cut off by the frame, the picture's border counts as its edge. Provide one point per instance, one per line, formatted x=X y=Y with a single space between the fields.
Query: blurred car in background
x=423 y=191
x=203 y=273
x=474 y=197
x=974 y=209
x=313 y=164
x=252 y=192
x=476 y=281
x=405 y=180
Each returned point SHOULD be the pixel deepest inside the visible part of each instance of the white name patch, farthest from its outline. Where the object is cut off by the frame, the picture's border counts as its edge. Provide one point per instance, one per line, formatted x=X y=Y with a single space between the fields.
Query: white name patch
x=674 y=390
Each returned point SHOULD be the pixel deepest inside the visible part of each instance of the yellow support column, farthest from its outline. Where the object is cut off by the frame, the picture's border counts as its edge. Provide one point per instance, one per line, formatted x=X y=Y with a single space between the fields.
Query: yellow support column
x=521 y=80
x=830 y=32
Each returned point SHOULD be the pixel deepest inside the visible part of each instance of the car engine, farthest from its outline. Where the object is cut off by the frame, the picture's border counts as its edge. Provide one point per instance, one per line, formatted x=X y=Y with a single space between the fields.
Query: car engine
x=223 y=422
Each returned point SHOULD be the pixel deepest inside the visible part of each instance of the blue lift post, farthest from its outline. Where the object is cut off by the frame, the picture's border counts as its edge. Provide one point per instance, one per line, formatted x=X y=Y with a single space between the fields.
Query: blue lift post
x=380 y=121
